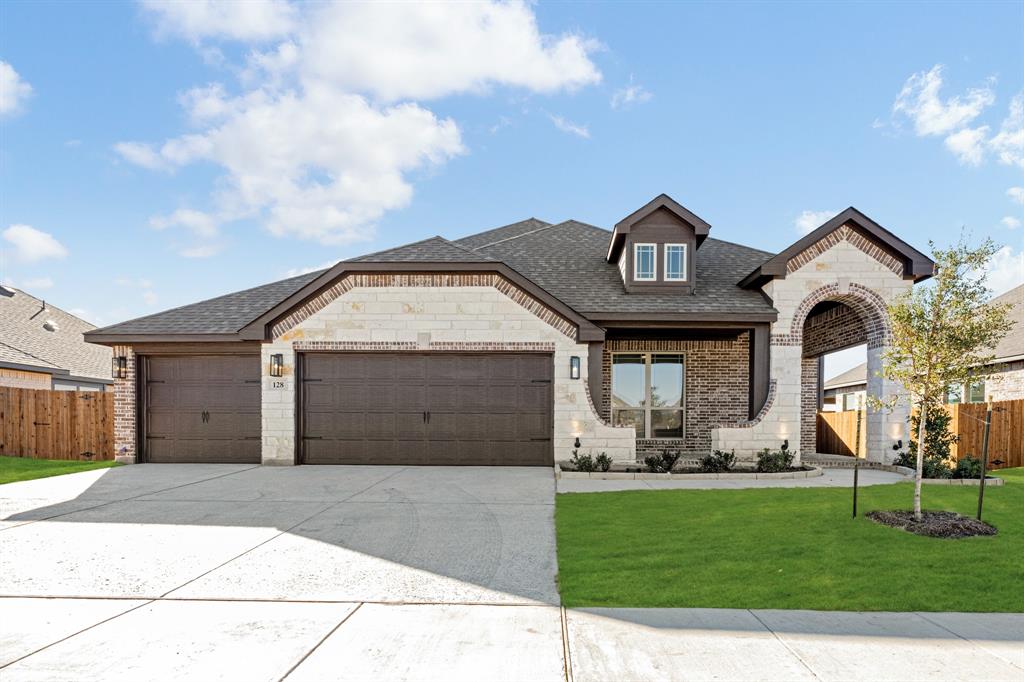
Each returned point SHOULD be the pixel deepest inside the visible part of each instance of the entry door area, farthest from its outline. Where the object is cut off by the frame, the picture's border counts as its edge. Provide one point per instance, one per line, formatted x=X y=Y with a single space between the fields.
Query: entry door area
x=202 y=408
x=427 y=409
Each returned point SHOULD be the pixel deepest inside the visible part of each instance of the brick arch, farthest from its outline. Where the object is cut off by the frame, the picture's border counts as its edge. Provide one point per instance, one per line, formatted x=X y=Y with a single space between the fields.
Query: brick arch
x=868 y=305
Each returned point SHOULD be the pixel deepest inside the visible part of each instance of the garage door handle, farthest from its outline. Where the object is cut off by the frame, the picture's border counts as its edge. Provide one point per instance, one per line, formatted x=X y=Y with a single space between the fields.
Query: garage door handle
x=540 y=440
x=312 y=438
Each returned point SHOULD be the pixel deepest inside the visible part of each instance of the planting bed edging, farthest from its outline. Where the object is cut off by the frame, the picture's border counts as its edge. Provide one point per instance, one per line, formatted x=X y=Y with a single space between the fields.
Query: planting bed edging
x=645 y=476
x=909 y=474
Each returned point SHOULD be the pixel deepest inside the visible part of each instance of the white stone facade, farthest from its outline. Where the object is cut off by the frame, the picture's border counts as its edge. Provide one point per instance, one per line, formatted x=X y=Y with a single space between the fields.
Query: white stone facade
x=845 y=273
x=436 y=318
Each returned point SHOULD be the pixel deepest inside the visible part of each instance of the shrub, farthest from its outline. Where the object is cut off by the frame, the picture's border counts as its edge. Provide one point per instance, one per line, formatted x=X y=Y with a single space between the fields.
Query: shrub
x=968 y=467
x=774 y=461
x=663 y=463
x=717 y=462
x=933 y=467
x=939 y=441
x=603 y=462
x=581 y=462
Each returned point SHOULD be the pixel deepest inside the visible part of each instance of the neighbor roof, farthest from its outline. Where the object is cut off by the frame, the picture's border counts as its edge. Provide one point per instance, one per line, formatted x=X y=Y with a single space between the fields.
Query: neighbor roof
x=26 y=342
x=854 y=376
x=1012 y=344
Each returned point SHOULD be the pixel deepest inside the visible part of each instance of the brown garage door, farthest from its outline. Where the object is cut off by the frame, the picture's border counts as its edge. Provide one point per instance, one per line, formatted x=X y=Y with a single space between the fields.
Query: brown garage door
x=441 y=408
x=203 y=408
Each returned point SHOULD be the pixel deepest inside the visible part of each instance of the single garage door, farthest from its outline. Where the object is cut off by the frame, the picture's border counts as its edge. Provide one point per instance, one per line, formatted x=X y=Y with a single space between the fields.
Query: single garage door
x=203 y=408
x=427 y=409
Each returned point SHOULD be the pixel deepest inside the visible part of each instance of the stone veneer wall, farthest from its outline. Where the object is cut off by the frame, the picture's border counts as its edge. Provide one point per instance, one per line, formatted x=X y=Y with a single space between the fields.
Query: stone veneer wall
x=125 y=402
x=1006 y=382
x=843 y=267
x=436 y=313
x=716 y=389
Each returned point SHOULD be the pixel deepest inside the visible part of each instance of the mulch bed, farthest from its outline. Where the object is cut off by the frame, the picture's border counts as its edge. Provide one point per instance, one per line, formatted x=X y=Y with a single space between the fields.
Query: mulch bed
x=935 y=524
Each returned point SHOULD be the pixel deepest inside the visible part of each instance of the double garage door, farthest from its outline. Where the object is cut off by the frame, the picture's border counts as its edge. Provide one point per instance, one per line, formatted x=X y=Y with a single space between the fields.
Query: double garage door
x=358 y=408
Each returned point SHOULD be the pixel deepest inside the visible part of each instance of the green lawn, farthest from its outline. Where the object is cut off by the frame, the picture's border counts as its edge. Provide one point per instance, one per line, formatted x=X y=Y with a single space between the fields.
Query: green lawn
x=793 y=548
x=25 y=469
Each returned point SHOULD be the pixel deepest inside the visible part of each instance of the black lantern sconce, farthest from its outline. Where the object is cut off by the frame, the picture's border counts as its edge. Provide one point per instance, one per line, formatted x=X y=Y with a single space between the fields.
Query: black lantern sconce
x=898 y=445
x=277 y=365
x=576 y=444
x=119 y=367
x=574 y=367
x=785 y=444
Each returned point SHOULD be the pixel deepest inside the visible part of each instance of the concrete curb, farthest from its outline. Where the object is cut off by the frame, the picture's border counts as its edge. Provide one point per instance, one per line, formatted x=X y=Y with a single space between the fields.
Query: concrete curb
x=645 y=476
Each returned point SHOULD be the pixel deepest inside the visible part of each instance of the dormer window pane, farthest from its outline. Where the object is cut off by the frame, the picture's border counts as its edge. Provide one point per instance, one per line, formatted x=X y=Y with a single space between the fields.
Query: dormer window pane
x=645 y=262
x=675 y=262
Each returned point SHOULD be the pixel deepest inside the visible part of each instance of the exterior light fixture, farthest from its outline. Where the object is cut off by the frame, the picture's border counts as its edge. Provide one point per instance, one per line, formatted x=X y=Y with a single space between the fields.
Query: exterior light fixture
x=577 y=443
x=119 y=367
x=277 y=365
x=574 y=367
x=785 y=444
x=898 y=445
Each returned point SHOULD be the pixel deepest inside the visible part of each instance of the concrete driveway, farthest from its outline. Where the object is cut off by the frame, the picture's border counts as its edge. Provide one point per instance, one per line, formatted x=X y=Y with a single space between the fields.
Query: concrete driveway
x=219 y=572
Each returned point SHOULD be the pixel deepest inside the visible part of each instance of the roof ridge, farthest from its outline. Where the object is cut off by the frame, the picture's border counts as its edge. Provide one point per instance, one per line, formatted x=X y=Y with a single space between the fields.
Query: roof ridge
x=31 y=355
x=547 y=226
x=48 y=305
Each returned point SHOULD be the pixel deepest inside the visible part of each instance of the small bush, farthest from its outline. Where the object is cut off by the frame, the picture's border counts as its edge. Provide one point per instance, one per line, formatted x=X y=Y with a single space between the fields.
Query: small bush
x=717 y=462
x=663 y=463
x=774 y=461
x=581 y=462
x=933 y=467
x=603 y=462
x=968 y=467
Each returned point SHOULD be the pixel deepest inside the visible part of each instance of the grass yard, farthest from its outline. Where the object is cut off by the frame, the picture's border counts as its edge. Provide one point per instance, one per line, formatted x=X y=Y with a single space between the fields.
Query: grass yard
x=793 y=548
x=25 y=469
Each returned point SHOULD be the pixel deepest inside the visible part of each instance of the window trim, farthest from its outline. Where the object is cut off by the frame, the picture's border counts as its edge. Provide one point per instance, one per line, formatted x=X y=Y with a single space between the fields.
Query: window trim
x=684 y=249
x=654 y=263
x=647 y=408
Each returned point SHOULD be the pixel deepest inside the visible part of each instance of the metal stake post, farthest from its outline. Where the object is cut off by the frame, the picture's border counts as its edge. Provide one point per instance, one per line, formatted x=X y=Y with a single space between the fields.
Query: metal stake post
x=984 y=457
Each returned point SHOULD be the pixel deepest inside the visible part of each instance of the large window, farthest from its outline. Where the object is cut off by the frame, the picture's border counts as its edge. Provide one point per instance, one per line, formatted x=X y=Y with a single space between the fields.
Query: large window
x=675 y=262
x=976 y=392
x=647 y=393
x=645 y=262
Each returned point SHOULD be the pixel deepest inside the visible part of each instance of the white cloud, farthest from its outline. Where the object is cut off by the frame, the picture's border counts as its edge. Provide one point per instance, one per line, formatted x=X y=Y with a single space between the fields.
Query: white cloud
x=968 y=145
x=809 y=221
x=31 y=245
x=623 y=98
x=149 y=297
x=1005 y=270
x=1010 y=223
x=919 y=101
x=567 y=126
x=37 y=283
x=1008 y=143
x=427 y=50
x=13 y=90
x=244 y=20
x=1016 y=194
x=201 y=251
x=199 y=223
x=308 y=147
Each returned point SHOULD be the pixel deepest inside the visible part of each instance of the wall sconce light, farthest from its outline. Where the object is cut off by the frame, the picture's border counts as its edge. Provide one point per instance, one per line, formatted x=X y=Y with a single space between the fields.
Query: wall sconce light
x=785 y=444
x=577 y=443
x=574 y=367
x=119 y=367
x=277 y=365
x=898 y=445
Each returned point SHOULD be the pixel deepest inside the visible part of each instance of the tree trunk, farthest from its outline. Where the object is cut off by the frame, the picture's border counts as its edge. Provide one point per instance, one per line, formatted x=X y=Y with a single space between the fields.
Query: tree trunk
x=921 y=433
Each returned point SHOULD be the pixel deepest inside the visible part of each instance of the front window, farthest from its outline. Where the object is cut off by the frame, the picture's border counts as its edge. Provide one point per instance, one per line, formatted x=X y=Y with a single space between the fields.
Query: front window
x=648 y=392
x=954 y=393
x=645 y=262
x=675 y=262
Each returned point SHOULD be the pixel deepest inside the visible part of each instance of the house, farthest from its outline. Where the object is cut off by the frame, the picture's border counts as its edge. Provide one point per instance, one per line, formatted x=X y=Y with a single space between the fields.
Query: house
x=847 y=390
x=516 y=346
x=41 y=346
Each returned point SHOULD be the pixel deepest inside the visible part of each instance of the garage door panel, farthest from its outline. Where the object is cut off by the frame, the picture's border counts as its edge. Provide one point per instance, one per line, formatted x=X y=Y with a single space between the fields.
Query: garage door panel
x=202 y=409
x=483 y=408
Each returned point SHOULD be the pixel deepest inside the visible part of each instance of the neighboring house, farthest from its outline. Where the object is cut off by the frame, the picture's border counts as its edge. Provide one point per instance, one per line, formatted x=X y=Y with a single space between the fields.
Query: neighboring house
x=516 y=346
x=41 y=347
x=843 y=391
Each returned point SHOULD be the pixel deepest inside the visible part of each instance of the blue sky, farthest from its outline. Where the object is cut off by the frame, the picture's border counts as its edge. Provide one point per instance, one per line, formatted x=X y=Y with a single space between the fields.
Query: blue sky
x=162 y=153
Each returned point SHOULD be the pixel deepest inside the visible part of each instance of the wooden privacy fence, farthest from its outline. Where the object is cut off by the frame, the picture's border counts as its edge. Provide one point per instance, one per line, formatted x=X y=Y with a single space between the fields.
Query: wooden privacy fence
x=836 y=432
x=56 y=424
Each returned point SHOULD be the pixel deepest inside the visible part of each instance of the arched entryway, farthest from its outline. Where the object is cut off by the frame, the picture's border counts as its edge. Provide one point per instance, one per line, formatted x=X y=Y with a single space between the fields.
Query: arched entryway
x=832 y=318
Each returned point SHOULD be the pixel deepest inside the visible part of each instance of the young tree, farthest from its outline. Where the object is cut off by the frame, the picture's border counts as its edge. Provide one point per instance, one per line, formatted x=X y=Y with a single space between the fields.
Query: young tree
x=943 y=334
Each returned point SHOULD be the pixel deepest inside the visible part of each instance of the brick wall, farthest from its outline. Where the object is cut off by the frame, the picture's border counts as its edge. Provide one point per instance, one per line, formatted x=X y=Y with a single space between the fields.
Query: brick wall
x=716 y=388
x=834 y=329
x=1006 y=382
x=808 y=404
x=124 y=407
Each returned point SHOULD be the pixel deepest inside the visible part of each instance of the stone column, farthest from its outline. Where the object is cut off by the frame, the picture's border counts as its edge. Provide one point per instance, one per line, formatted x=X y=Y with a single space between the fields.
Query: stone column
x=885 y=427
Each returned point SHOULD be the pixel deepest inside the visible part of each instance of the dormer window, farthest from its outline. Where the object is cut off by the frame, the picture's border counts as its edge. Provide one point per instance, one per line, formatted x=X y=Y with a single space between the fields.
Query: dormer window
x=645 y=262
x=675 y=262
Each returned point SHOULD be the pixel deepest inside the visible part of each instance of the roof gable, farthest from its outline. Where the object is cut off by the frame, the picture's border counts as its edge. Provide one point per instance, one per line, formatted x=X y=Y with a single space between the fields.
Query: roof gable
x=916 y=265
x=660 y=203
